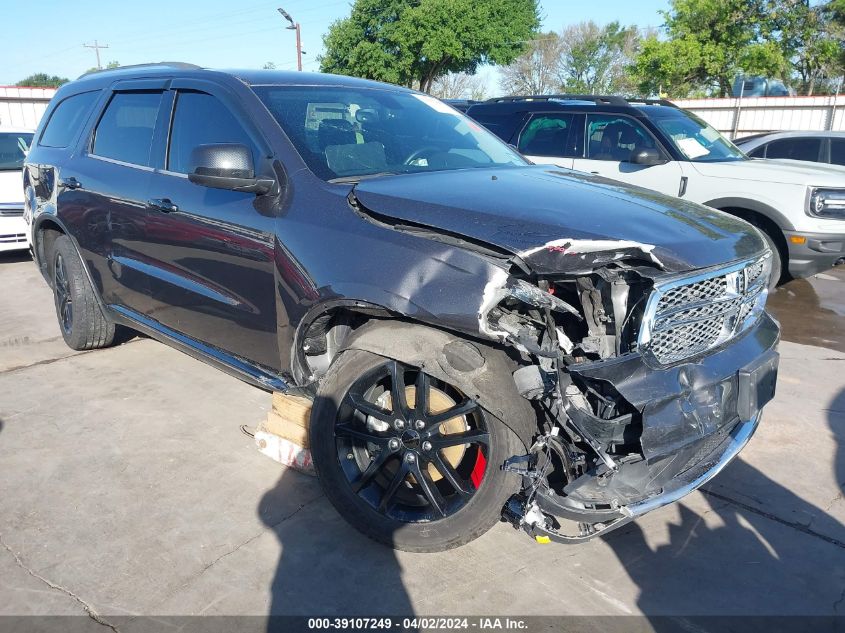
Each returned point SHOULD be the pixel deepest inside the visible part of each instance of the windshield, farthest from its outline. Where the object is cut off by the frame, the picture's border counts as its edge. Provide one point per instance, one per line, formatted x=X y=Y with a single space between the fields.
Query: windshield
x=695 y=139
x=345 y=134
x=13 y=149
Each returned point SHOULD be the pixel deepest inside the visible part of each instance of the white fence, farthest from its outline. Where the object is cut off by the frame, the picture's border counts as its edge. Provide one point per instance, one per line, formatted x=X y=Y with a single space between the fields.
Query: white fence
x=736 y=117
x=23 y=107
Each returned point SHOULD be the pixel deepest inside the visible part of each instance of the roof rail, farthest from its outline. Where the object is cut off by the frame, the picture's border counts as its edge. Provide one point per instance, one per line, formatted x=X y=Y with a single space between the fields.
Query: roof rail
x=604 y=99
x=179 y=65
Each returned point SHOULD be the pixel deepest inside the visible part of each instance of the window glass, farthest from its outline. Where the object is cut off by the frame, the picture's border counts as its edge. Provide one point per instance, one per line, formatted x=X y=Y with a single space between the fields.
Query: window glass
x=759 y=152
x=548 y=135
x=351 y=133
x=693 y=137
x=13 y=149
x=201 y=119
x=795 y=149
x=125 y=131
x=66 y=118
x=837 y=151
x=611 y=137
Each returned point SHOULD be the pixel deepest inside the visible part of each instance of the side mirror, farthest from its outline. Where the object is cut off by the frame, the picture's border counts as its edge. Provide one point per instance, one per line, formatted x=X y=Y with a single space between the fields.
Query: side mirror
x=648 y=157
x=226 y=166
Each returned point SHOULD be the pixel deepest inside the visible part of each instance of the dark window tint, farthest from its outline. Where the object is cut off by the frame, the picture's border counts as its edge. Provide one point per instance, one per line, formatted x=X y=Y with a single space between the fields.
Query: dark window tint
x=125 y=131
x=13 y=149
x=837 y=151
x=548 y=135
x=759 y=152
x=795 y=149
x=66 y=118
x=201 y=119
x=615 y=138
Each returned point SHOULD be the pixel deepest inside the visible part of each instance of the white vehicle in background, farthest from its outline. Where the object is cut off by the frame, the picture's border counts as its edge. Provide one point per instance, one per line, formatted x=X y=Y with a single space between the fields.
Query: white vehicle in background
x=14 y=145
x=799 y=206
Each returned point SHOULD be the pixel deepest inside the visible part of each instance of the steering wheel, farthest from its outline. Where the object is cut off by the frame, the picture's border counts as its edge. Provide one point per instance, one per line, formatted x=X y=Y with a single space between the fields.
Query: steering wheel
x=420 y=153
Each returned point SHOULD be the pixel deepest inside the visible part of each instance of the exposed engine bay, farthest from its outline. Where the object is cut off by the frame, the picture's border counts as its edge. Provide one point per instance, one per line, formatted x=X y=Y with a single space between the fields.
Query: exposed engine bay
x=593 y=462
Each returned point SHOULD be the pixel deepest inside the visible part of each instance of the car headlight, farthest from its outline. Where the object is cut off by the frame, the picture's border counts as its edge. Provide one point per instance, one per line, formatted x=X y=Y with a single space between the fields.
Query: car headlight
x=826 y=203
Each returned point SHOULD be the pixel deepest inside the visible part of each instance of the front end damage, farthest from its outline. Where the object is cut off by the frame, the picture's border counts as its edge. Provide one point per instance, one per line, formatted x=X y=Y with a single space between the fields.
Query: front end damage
x=646 y=383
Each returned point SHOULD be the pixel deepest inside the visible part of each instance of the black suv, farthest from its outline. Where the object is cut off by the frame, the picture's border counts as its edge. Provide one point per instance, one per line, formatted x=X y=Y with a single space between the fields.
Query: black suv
x=479 y=336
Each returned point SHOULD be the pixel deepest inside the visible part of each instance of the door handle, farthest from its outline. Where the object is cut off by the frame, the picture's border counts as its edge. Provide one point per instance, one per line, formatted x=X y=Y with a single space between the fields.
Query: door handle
x=162 y=204
x=70 y=183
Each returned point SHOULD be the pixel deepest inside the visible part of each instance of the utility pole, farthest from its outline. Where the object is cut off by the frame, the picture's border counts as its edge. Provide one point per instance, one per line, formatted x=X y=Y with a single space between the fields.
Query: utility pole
x=294 y=26
x=97 y=46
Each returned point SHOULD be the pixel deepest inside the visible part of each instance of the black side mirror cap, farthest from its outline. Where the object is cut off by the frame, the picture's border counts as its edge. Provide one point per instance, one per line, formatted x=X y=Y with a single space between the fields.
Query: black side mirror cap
x=226 y=166
x=647 y=157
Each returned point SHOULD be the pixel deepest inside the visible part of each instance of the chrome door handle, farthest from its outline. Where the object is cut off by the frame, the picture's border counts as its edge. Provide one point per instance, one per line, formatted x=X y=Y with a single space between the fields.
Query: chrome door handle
x=162 y=204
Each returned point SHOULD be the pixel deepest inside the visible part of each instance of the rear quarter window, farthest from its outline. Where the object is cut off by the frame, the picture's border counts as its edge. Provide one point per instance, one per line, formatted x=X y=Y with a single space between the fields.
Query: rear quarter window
x=66 y=119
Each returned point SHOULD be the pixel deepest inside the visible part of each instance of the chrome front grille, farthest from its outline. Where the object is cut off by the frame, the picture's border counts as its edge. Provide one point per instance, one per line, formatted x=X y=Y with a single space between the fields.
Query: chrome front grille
x=690 y=315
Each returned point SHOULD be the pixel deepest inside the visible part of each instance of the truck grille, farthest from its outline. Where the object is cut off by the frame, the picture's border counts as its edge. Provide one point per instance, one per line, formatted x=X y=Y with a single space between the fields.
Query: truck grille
x=688 y=316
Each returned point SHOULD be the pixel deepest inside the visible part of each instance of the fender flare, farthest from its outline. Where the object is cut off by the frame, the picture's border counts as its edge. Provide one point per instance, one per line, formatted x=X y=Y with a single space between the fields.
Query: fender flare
x=40 y=256
x=753 y=205
x=480 y=371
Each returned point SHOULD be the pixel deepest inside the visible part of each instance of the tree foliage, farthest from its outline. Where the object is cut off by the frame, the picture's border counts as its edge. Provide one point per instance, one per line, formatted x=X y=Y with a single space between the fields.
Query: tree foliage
x=708 y=43
x=583 y=58
x=413 y=42
x=42 y=80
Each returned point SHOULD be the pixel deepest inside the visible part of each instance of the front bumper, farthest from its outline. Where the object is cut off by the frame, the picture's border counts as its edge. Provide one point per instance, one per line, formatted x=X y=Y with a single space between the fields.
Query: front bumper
x=13 y=229
x=696 y=417
x=818 y=252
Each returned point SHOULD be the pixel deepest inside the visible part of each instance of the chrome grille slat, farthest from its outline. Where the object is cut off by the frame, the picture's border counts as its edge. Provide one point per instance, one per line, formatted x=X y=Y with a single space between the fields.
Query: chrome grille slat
x=687 y=316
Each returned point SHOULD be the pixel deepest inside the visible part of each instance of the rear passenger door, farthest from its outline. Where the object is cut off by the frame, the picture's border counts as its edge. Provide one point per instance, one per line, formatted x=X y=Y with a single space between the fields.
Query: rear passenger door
x=212 y=250
x=108 y=184
x=551 y=138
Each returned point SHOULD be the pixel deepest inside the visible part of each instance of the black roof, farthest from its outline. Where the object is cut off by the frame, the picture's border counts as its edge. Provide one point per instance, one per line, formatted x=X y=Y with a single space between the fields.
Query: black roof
x=248 y=76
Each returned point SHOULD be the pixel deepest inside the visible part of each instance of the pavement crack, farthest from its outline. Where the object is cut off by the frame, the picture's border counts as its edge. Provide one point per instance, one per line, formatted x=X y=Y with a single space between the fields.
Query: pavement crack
x=92 y=613
x=795 y=526
x=268 y=528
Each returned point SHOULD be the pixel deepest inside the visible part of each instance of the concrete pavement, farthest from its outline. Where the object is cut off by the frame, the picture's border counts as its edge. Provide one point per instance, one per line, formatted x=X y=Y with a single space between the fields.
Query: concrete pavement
x=127 y=488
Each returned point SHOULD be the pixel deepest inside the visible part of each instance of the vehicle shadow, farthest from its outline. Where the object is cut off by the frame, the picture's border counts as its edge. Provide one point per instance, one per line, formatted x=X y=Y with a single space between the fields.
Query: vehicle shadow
x=327 y=568
x=769 y=546
x=14 y=257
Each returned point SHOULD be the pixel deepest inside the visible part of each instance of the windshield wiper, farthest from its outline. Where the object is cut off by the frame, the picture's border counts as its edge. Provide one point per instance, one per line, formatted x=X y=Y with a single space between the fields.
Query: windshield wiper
x=360 y=177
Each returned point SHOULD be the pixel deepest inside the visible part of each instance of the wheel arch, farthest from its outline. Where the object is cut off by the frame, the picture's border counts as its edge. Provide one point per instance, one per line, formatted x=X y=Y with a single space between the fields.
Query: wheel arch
x=763 y=222
x=481 y=371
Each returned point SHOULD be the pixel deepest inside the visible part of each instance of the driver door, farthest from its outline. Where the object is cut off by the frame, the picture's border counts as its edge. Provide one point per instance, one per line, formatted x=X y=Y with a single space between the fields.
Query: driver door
x=610 y=140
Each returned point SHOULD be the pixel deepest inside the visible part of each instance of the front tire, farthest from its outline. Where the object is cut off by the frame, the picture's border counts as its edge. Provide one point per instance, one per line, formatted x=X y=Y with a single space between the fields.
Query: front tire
x=81 y=320
x=419 y=473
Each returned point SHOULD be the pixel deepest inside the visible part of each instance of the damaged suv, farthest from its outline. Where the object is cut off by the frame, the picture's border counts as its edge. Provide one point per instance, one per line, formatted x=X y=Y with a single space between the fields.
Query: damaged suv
x=481 y=338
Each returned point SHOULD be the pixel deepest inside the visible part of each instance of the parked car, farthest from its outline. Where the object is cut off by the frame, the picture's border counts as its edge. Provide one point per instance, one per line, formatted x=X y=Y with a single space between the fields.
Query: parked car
x=816 y=147
x=461 y=104
x=476 y=333
x=654 y=144
x=14 y=144
x=760 y=87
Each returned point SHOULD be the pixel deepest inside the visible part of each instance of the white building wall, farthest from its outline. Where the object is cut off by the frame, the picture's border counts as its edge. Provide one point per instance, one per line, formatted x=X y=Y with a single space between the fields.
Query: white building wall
x=23 y=107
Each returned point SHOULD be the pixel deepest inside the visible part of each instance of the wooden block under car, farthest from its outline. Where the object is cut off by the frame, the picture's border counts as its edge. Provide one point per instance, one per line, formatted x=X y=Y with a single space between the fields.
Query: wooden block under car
x=283 y=436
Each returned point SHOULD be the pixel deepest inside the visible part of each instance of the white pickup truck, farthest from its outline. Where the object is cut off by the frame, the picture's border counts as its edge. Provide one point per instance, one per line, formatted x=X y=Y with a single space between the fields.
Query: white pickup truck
x=800 y=207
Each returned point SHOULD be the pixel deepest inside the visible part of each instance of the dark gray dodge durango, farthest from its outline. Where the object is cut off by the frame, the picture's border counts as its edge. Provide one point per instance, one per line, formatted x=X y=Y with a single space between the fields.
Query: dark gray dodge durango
x=482 y=338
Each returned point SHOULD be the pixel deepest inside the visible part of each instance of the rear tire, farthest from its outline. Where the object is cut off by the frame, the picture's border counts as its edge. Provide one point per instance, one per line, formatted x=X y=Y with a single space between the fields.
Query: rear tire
x=337 y=435
x=81 y=320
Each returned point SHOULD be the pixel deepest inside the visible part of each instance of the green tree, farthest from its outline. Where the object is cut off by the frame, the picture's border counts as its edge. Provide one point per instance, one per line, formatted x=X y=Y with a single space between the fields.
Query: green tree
x=111 y=65
x=413 y=42
x=709 y=43
x=594 y=59
x=42 y=80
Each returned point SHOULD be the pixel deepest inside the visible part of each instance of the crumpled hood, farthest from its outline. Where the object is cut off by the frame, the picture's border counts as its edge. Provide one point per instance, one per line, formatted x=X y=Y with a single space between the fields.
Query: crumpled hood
x=562 y=221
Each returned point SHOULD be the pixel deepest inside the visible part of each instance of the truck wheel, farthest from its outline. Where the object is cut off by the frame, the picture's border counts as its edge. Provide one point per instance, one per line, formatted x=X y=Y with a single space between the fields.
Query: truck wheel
x=407 y=459
x=81 y=321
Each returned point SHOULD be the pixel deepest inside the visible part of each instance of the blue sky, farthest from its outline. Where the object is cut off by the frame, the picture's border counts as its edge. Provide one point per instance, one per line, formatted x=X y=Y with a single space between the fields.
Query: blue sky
x=215 y=33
